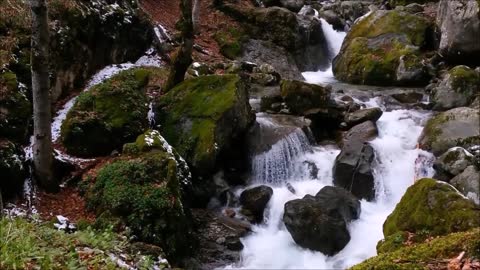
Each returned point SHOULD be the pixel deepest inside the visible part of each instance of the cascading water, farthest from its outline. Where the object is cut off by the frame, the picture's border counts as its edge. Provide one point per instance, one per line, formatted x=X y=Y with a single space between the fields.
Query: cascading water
x=398 y=163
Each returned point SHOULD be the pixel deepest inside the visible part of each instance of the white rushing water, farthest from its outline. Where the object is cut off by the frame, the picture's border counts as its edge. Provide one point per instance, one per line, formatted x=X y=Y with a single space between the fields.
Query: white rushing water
x=272 y=247
x=334 y=39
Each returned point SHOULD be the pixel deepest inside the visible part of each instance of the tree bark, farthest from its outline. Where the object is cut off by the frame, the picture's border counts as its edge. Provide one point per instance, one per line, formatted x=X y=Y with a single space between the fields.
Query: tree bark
x=42 y=145
x=183 y=58
x=196 y=16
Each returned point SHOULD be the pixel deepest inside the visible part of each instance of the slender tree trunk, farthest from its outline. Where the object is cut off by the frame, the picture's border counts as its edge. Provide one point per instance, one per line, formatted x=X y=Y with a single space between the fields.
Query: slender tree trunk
x=1 y=203
x=196 y=16
x=42 y=145
x=183 y=58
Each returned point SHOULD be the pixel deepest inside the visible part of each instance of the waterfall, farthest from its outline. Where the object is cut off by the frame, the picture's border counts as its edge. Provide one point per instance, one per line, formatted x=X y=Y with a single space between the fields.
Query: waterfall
x=334 y=39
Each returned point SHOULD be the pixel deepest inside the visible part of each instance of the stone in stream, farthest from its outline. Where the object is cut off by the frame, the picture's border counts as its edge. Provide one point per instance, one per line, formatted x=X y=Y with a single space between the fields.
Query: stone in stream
x=357 y=117
x=455 y=127
x=454 y=161
x=255 y=200
x=353 y=166
x=320 y=222
x=458 y=88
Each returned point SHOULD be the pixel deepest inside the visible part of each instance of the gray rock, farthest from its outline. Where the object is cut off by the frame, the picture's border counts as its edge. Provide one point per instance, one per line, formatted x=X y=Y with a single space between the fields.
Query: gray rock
x=459 y=24
x=293 y=5
x=455 y=127
x=353 y=166
x=320 y=222
x=360 y=116
x=468 y=183
x=454 y=161
x=457 y=89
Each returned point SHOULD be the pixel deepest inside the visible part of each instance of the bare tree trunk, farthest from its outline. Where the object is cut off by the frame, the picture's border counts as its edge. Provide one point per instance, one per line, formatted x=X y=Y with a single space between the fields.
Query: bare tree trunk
x=183 y=58
x=196 y=16
x=42 y=145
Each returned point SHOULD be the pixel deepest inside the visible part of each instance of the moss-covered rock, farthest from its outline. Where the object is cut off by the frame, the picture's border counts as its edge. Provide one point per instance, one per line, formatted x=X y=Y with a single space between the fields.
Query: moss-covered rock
x=433 y=206
x=15 y=109
x=145 y=192
x=202 y=118
x=108 y=115
x=376 y=46
x=437 y=252
x=12 y=169
x=395 y=3
x=230 y=42
x=458 y=88
x=455 y=127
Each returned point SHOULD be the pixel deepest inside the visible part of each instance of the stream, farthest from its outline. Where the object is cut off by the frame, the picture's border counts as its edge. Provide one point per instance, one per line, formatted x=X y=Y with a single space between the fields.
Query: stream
x=282 y=167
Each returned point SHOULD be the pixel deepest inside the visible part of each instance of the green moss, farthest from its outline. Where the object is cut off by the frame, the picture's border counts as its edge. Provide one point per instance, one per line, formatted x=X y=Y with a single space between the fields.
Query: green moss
x=363 y=64
x=301 y=96
x=438 y=251
x=433 y=129
x=464 y=79
x=392 y=22
x=433 y=206
x=230 y=42
x=392 y=242
x=145 y=193
x=189 y=114
x=15 y=109
x=107 y=115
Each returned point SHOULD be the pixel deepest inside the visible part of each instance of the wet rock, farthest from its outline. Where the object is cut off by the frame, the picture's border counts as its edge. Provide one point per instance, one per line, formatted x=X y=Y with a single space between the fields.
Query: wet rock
x=457 y=89
x=293 y=5
x=204 y=118
x=459 y=24
x=408 y=97
x=263 y=79
x=312 y=168
x=384 y=48
x=300 y=97
x=271 y=103
x=360 y=116
x=454 y=161
x=455 y=127
x=432 y=206
x=468 y=183
x=12 y=169
x=320 y=222
x=291 y=188
x=346 y=11
x=353 y=166
x=255 y=200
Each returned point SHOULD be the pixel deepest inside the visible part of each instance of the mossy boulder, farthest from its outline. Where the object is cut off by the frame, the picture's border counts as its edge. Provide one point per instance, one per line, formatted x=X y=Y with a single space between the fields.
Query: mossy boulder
x=433 y=206
x=395 y=3
x=145 y=192
x=230 y=42
x=204 y=117
x=385 y=48
x=301 y=97
x=12 y=169
x=455 y=127
x=108 y=115
x=438 y=252
x=458 y=88
x=15 y=109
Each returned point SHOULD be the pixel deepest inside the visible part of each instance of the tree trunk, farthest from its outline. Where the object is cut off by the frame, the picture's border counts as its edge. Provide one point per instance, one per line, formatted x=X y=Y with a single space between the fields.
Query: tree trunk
x=42 y=145
x=196 y=16
x=1 y=204
x=183 y=58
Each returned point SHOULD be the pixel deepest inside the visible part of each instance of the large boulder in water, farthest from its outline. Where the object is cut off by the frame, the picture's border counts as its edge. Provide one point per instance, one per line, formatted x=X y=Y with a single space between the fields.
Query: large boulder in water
x=385 y=48
x=12 y=169
x=255 y=200
x=456 y=127
x=432 y=206
x=301 y=97
x=457 y=89
x=459 y=24
x=320 y=222
x=108 y=115
x=15 y=109
x=353 y=166
x=205 y=119
x=454 y=161
x=360 y=116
